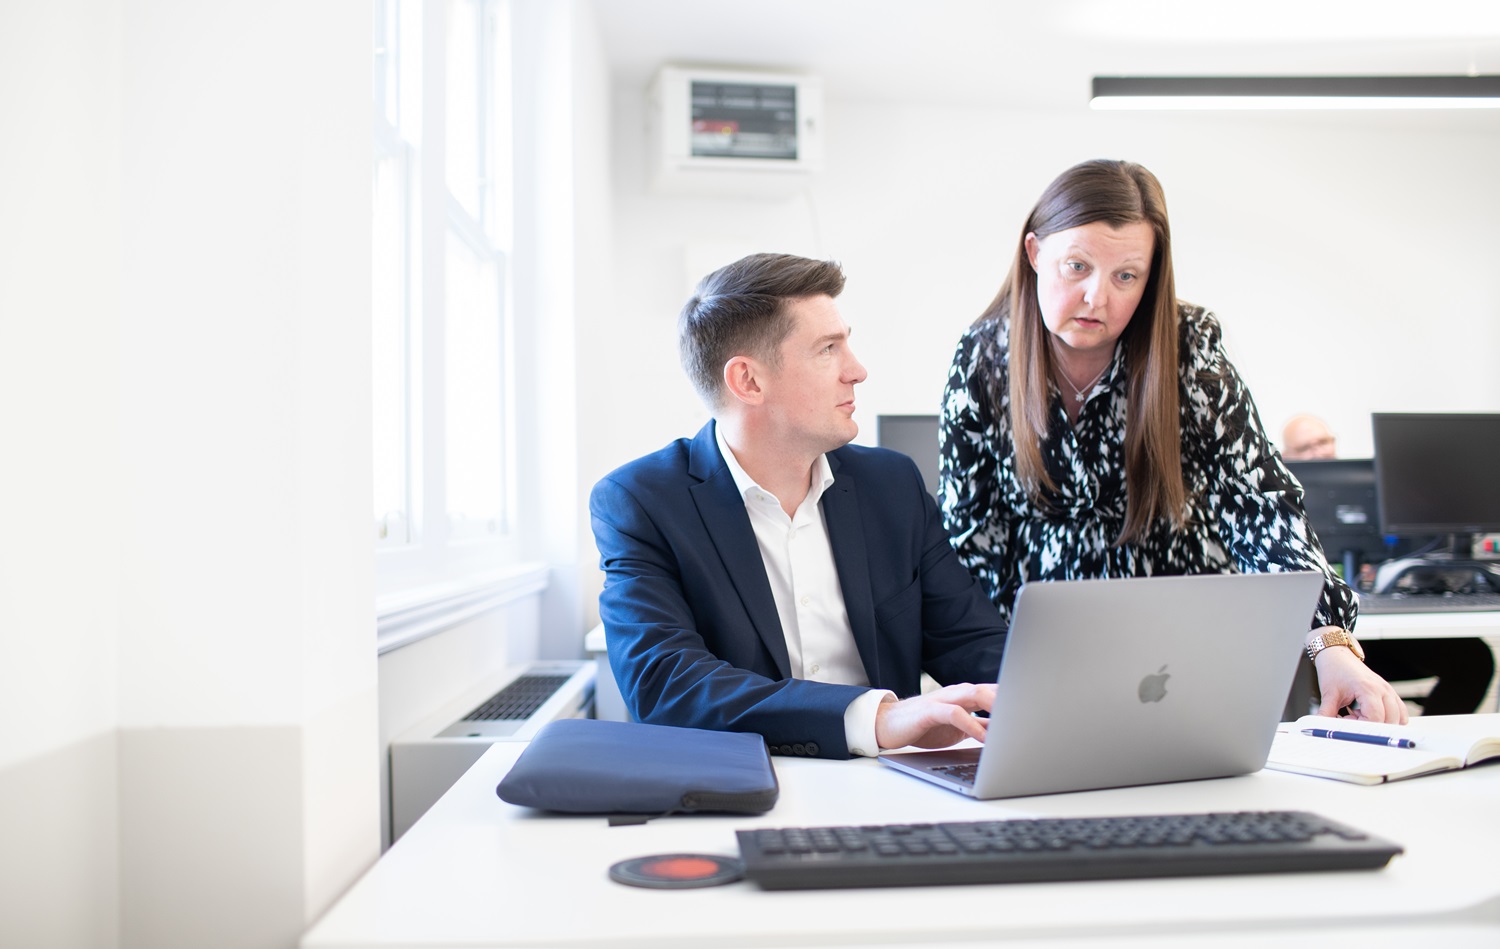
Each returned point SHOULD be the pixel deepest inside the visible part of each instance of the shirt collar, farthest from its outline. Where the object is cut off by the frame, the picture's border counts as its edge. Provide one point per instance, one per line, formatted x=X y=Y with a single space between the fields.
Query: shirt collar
x=822 y=472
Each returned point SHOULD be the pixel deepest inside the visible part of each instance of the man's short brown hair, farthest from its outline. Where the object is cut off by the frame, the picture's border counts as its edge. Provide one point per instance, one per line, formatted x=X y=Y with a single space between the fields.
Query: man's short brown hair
x=739 y=310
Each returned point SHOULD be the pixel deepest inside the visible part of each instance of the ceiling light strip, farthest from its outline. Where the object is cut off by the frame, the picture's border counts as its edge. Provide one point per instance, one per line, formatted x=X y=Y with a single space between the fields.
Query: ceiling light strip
x=1296 y=92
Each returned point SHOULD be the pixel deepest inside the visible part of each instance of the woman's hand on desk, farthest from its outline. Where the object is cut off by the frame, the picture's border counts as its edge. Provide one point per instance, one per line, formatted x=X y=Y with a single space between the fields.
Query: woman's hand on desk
x=935 y=719
x=1345 y=681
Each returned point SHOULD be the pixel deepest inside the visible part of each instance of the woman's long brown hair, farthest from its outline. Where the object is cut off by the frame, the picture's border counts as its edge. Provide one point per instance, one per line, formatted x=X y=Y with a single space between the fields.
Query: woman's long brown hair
x=1117 y=193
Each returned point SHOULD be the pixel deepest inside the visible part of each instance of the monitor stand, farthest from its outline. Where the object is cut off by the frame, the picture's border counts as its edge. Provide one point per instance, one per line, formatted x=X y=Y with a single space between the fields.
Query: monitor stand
x=1349 y=560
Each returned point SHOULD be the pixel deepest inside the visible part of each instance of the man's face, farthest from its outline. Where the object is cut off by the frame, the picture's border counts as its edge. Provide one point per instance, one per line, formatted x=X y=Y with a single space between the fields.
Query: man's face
x=1308 y=439
x=810 y=397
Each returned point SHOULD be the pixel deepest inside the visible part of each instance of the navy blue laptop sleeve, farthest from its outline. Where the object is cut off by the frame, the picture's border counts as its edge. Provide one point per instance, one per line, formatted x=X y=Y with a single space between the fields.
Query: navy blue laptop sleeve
x=588 y=766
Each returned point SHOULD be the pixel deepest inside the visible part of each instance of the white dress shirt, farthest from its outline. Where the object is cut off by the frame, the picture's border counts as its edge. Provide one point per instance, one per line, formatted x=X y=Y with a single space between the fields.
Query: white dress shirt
x=809 y=600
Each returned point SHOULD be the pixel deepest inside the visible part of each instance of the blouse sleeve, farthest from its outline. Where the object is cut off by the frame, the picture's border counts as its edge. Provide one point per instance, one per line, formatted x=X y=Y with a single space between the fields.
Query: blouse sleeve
x=969 y=485
x=1255 y=502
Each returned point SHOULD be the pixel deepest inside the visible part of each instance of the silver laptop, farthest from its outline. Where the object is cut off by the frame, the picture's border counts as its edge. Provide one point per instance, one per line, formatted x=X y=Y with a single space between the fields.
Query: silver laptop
x=1111 y=683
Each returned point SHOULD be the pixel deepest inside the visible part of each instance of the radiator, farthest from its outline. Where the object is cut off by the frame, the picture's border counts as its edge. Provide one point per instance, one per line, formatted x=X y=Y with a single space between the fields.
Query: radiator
x=426 y=759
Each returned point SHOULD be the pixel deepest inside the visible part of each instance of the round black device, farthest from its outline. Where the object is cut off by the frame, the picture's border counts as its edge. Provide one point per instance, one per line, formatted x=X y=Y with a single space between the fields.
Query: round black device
x=677 y=871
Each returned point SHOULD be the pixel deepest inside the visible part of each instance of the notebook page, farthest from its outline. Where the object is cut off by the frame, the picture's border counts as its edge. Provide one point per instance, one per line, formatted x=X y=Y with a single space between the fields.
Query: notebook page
x=1293 y=751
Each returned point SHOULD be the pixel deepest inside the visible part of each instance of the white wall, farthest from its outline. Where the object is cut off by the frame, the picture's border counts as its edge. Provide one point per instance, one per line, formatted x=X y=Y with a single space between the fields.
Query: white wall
x=562 y=267
x=247 y=667
x=187 y=744
x=1346 y=256
x=59 y=426
x=595 y=294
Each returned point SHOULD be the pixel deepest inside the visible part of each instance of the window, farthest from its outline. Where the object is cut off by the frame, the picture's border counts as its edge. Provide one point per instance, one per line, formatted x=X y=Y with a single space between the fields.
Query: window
x=441 y=281
x=395 y=342
x=475 y=463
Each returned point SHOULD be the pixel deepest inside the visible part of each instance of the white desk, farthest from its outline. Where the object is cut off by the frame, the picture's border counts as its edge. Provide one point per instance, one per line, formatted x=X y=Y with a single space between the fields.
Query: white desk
x=476 y=872
x=1427 y=625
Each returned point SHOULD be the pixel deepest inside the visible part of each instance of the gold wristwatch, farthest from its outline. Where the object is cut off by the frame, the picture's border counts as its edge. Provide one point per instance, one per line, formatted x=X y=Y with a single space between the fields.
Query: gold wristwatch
x=1334 y=637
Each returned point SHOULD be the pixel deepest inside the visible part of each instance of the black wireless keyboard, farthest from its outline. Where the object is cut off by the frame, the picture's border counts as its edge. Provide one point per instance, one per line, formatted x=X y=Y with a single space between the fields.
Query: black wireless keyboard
x=1089 y=848
x=1373 y=603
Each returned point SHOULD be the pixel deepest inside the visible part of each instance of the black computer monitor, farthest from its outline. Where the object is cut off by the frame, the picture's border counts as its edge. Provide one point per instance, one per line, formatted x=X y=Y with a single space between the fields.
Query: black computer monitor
x=1438 y=474
x=1343 y=510
x=915 y=436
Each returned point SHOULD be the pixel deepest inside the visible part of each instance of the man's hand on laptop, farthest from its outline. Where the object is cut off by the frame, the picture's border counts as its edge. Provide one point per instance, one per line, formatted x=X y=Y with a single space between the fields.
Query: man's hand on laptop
x=934 y=719
x=1346 y=682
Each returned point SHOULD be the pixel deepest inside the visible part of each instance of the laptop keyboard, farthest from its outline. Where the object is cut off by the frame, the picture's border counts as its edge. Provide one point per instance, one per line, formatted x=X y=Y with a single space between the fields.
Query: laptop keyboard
x=963 y=773
x=1090 y=848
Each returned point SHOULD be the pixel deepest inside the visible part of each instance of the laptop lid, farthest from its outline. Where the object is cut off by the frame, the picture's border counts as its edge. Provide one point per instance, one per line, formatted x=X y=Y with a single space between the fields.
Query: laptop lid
x=1111 y=683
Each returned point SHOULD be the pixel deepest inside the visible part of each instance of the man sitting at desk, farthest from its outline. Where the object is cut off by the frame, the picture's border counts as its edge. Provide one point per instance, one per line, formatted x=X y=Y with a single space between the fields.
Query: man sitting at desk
x=767 y=576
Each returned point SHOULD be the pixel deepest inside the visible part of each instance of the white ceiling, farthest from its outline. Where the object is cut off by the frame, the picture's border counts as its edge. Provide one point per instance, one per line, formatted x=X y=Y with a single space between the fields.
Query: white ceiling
x=1043 y=54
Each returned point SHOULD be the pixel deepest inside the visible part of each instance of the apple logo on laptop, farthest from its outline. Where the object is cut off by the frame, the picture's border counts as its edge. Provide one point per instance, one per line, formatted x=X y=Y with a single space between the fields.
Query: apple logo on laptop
x=1153 y=688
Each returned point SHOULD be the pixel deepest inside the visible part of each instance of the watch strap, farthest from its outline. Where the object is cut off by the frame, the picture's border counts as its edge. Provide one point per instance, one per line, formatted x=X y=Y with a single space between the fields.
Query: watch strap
x=1333 y=637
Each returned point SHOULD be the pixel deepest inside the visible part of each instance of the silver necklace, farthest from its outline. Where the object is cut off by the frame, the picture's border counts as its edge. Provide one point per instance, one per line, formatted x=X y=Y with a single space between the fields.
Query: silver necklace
x=1080 y=394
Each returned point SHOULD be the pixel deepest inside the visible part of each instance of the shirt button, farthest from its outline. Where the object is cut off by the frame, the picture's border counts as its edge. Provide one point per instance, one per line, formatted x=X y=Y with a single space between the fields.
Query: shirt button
x=816 y=668
x=805 y=600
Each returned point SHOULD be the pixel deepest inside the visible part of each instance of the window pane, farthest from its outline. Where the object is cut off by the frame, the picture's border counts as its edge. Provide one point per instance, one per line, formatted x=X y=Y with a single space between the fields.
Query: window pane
x=384 y=23
x=409 y=69
x=391 y=380
x=397 y=61
x=474 y=433
x=496 y=171
x=465 y=119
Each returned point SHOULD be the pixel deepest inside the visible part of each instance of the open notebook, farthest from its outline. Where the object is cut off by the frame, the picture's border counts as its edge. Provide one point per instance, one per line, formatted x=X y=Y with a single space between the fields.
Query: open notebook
x=1443 y=743
x=1109 y=683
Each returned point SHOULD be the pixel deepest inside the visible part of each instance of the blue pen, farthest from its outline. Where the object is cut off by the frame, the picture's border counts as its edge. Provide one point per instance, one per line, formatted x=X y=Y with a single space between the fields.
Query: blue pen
x=1356 y=736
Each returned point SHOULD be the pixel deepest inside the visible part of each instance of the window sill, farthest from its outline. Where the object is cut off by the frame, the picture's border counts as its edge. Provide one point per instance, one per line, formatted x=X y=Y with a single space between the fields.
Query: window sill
x=406 y=617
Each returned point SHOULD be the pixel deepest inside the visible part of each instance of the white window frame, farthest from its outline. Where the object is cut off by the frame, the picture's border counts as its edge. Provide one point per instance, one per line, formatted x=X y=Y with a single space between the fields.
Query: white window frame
x=432 y=555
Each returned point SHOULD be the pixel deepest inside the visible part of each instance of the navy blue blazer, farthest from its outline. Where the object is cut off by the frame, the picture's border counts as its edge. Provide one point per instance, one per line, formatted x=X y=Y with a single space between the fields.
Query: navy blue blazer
x=692 y=630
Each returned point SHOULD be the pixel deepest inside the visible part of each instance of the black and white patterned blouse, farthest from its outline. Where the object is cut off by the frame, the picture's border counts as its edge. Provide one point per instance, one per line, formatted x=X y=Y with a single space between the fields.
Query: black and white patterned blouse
x=1245 y=510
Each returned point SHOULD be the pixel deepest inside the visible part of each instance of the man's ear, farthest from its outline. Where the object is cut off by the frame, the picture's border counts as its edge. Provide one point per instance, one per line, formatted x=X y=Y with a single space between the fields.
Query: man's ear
x=742 y=378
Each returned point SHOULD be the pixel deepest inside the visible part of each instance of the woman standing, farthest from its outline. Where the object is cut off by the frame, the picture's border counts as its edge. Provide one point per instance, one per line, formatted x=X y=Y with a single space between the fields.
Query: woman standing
x=1092 y=427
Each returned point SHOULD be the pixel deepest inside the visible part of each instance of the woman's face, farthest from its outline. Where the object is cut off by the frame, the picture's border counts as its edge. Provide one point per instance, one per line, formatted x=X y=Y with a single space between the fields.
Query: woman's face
x=1089 y=280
